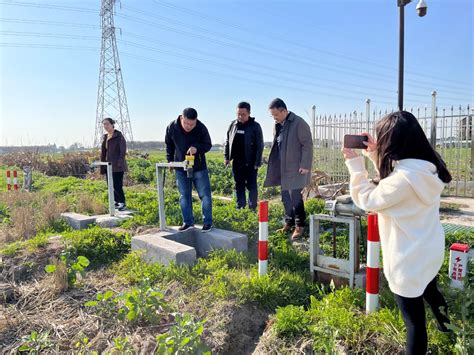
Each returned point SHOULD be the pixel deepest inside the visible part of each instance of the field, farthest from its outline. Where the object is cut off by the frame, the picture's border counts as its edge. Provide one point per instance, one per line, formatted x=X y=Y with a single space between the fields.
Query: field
x=86 y=292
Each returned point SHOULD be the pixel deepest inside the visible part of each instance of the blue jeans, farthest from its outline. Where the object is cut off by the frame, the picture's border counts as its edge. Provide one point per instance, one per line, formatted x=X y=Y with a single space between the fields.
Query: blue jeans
x=201 y=182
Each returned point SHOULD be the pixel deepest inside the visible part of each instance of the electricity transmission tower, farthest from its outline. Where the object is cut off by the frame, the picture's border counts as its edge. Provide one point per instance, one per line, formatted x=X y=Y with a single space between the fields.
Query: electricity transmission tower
x=111 y=99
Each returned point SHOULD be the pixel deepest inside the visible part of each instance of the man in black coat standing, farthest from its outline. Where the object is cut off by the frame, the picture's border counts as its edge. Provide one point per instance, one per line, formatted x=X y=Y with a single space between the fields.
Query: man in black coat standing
x=188 y=136
x=244 y=147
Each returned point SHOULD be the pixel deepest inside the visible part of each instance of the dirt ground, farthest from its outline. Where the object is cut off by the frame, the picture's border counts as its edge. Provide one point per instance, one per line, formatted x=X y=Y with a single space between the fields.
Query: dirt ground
x=462 y=213
x=35 y=303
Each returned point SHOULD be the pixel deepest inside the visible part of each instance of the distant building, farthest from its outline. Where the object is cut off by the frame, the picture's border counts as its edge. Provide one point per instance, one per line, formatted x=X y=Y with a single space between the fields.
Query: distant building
x=50 y=148
x=217 y=148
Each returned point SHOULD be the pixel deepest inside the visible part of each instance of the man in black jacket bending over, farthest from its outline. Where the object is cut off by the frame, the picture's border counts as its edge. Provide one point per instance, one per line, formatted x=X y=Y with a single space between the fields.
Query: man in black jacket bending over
x=244 y=146
x=188 y=136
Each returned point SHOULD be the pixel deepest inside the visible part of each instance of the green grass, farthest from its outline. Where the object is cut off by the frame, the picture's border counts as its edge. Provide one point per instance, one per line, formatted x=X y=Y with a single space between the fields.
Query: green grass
x=302 y=308
x=30 y=245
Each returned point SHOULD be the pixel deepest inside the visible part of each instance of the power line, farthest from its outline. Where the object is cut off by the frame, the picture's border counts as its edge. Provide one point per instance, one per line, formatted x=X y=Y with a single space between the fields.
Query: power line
x=46 y=46
x=49 y=23
x=195 y=69
x=416 y=73
x=213 y=62
x=280 y=38
x=196 y=59
x=271 y=52
x=47 y=35
x=272 y=69
x=213 y=55
x=240 y=69
x=259 y=48
x=49 y=6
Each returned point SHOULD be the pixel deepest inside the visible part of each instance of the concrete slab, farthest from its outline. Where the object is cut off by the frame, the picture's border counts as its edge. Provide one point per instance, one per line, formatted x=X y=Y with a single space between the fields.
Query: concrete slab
x=106 y=221
x=78 y=221
x=204 y=243
x=124 y=213
x=185 y=247
x=159 y=249
x=81 y=221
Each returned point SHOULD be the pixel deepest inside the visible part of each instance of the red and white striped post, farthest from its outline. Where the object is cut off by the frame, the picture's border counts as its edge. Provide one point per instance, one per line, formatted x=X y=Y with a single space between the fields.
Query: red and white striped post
x=9 y=181
x=262 y=238
x=373 y=257
x=15 y=180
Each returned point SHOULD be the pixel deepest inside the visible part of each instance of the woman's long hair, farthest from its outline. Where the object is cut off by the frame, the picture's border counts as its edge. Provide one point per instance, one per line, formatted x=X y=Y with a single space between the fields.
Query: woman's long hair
x=400 y=136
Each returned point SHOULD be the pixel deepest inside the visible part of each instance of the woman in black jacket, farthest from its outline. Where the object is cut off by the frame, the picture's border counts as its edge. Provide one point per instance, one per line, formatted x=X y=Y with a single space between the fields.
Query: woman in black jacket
x=114 y=148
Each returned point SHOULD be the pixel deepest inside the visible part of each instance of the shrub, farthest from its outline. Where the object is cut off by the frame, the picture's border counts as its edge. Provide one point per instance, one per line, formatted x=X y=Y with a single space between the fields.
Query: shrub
x=100 y=246
x=182 y=338
x=291 y=321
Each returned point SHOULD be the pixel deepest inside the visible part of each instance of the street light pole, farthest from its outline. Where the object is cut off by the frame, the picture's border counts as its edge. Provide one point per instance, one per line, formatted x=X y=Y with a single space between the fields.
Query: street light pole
x=401 y=51
x=421 y=9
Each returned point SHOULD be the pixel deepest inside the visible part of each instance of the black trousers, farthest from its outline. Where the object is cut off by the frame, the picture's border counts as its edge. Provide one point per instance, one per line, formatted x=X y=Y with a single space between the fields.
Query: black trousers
x=294 y=207
x=245 y=178
x=119 y=195
x=413 y=313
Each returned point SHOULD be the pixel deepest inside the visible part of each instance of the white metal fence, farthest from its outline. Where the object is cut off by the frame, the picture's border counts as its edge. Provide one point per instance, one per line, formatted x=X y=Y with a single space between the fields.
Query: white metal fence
x=449 y=129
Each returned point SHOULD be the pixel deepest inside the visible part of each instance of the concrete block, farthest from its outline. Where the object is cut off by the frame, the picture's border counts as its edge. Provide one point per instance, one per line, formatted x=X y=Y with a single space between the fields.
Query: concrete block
x=204 y=243
x=159 y=249
x=107 y=221
x=124 y=213
x=78 y=221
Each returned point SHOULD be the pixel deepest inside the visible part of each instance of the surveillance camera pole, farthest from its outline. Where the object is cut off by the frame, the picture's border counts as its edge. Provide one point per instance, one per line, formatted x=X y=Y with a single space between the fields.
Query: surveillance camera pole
x=401 y=53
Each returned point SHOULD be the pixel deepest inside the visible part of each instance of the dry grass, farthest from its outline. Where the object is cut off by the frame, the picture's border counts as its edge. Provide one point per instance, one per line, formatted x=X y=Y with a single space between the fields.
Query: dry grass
x=41 y=308
x=59 y=280
x=29 y=213
x=50 y=211
x=66 y=164
x=269 y=343
x=88 y=205
x=18 y=203
x=22 y=225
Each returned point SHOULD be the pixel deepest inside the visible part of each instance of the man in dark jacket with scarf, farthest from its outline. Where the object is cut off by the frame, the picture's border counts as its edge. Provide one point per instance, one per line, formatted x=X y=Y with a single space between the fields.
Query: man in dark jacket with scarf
x=289 y=163
x=244 y=147
x=188 y=136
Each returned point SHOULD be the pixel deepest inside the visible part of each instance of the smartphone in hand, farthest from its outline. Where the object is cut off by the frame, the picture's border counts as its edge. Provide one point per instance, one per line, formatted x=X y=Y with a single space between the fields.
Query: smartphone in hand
x=354 y=141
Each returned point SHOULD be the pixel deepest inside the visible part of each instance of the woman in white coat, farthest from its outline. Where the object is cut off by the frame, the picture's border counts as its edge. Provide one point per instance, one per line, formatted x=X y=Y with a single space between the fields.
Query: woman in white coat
x=406 y=198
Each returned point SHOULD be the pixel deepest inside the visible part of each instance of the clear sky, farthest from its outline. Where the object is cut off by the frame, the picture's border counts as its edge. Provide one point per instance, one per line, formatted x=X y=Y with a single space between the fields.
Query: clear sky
x=212 y=54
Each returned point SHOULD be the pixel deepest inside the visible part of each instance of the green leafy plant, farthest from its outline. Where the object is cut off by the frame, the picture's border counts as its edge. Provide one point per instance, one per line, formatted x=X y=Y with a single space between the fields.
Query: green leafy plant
x=75 y=266
x=464 y=328
x=100 y=246
x=83 y=347
x=104 y=304
x=142 y=304
x=183 y=338
x=122 y=346
x=133 y=269
x=291 y=321
x=35 y=343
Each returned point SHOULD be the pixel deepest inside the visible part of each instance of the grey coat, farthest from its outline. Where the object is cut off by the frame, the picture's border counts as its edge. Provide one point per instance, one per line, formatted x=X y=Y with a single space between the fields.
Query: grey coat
x=296 y=151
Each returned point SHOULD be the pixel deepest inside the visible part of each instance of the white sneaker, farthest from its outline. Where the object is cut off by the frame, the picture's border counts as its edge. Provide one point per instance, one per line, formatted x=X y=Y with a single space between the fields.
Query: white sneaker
x=121 y=206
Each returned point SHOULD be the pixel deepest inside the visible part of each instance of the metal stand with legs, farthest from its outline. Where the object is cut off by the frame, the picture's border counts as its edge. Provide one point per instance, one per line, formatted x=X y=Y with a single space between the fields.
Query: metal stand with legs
x=160 y=186
x=110 y=185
